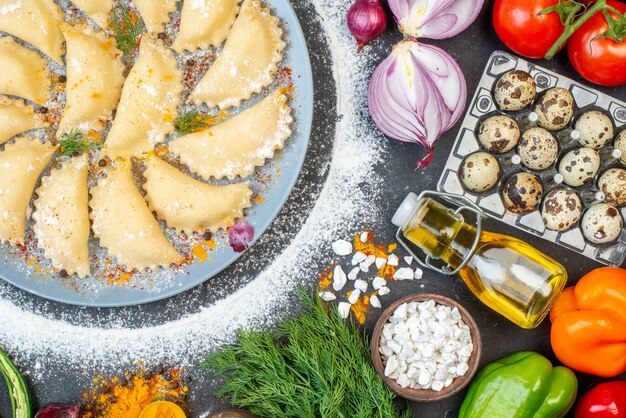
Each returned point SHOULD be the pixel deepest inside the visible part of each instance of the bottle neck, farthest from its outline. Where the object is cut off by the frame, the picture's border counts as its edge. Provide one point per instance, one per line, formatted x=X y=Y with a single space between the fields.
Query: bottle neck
x=441 y=233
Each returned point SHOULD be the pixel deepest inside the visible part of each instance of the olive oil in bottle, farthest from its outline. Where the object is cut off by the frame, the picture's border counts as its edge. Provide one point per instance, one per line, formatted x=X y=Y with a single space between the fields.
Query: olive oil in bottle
x=506 y=274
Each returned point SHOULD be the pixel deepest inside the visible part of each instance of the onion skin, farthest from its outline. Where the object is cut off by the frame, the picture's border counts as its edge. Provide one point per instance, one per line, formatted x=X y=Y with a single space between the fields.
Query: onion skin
x=434 y=19
x=366 y=21
x=59 y=410
x=240 y=236
x=416 y=94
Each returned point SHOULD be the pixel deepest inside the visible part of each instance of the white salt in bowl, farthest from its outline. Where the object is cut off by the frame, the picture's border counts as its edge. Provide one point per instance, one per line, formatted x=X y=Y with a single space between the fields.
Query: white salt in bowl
x=425 y=395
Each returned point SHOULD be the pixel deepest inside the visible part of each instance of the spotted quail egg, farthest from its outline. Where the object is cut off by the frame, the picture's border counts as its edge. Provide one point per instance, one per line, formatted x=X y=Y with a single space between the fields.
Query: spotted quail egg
x=499 y=134
x=613 y=184
x=555 y=109
x=595 y=128
x=602 y=223
x=620 y=144
x=561 y=209
x=538 y=149
x=515 y=90
x=522 y=193
x=480 y=172
x=579 y=166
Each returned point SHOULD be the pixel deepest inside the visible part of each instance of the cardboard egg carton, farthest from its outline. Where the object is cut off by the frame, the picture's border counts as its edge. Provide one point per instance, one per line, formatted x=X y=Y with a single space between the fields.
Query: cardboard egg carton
x=483 y=106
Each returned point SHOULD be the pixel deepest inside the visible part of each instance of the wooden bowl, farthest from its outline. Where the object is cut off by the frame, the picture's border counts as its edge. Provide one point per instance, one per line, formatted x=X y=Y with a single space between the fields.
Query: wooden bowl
x=232 y=413
x=424 y=395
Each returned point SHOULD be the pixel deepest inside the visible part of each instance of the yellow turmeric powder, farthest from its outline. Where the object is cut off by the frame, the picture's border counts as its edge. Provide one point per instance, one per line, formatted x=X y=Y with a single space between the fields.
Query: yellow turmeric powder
x=127 y=397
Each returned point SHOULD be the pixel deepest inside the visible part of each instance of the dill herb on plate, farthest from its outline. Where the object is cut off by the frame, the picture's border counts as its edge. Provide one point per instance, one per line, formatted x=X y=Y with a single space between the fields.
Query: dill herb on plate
x=193 y=121
x=314 y=365
x=127 y=28
x=76 y=142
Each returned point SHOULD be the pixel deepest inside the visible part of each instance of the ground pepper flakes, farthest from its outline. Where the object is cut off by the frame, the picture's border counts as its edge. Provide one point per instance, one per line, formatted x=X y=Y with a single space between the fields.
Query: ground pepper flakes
x=126 y=397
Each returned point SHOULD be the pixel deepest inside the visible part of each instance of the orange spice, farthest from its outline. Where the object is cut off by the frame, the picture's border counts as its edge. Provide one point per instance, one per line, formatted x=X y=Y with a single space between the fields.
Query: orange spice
x=128 y=396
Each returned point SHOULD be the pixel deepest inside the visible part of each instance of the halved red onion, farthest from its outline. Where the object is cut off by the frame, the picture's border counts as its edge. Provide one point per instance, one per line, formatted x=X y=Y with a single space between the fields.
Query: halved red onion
x=416 y=94
x=434 y=19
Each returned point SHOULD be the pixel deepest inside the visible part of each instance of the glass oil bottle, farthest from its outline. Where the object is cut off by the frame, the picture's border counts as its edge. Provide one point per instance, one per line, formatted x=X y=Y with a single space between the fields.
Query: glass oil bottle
x=505 y=273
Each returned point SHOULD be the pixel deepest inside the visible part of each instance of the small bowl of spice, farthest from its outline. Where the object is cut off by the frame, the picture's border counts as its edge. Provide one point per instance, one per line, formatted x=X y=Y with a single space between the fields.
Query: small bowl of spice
x=426 y=347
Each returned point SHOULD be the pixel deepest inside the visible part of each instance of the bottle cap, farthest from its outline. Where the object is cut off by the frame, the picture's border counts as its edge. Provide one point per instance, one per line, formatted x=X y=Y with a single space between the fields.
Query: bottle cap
x=405 y=211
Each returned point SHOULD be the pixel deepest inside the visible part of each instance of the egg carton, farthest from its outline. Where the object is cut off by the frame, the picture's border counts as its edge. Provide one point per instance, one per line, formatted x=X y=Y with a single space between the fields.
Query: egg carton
x=483 y=106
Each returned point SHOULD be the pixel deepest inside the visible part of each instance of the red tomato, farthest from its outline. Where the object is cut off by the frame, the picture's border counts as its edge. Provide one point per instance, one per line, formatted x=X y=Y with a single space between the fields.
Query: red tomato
x=520 y=27
x=601 y=61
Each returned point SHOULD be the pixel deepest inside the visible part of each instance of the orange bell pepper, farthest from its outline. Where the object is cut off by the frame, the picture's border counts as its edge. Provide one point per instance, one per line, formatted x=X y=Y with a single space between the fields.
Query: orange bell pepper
x=589 y=323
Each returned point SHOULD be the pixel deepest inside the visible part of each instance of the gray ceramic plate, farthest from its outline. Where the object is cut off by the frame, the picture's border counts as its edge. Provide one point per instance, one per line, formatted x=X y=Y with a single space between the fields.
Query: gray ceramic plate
x=15 y=269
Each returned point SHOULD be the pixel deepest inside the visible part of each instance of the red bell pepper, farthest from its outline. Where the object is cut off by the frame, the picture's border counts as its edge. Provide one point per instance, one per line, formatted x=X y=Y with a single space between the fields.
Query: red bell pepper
x=607 y=400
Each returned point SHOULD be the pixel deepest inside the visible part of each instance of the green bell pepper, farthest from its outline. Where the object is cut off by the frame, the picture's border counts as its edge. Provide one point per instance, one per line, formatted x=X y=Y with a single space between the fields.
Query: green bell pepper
x=523 y=385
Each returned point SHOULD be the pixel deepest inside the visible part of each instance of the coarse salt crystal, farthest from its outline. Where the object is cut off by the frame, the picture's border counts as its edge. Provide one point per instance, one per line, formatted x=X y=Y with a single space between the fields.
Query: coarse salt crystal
x=353 y=273
x=360 y=285
x=393 y=260
x=339 y=278
x=371 y=259
x=384 y=291
x=342 y=247
x=404 y=273
x=344 y=309
x=375 y=302
x=418 y=273
x=364 y=236
x=378 y=282
x=408 y=259
x=327 y=296
x=358 y=258
x=354 y=296
x=380 y=262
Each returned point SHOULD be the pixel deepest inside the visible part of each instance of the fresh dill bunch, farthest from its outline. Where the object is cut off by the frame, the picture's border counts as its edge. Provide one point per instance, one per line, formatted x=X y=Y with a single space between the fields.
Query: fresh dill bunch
x=315 y=365
x=127 y=28
x=76 y=142
x=192 y=121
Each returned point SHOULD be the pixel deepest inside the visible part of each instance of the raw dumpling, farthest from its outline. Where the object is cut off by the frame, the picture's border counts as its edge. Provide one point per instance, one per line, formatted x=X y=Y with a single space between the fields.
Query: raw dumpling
x=94 y=78
x=247 y=62
x=98 y=10
x=62 y=217
x=21 y=163
x=235 y=147
x=205 y=23
x=125 y=225
x=190 y=205
x=23 y=72
x=36 y=22
x=155 y=13
x=151 y=93
x=17 y=117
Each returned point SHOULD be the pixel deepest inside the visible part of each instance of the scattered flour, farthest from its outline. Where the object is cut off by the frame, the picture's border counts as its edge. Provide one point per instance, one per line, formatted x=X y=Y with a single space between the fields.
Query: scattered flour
x=28 y=333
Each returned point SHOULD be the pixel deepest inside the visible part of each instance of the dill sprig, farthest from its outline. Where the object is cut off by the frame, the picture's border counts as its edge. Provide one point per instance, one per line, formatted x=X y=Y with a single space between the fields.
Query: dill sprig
x=314 y=365
x=127 y=28
x=76 y=142
x=193 y=121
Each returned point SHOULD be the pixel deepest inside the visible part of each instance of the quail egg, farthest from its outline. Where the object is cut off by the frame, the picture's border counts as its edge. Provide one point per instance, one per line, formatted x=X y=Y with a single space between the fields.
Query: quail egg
x=480 y=172
x=522 y=193
x=499 y=134
x=561 y=209
x=613 y=184
x=595 y=128
x=602 y=223
x=620 y=144
x=515 y=90
x=538 y=149
x=555 y=109
x=579 y=166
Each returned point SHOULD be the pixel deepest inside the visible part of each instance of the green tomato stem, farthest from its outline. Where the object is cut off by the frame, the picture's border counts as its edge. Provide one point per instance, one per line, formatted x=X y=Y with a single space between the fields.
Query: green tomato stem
x=570 y=28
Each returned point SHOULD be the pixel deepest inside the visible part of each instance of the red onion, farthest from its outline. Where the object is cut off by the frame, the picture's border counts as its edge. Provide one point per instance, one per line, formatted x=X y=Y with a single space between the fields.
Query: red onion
x=434 y=19
x=367 y=20
x=240 y=236
x=416 y=94
x=59 y=410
